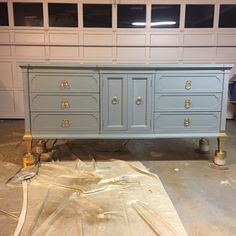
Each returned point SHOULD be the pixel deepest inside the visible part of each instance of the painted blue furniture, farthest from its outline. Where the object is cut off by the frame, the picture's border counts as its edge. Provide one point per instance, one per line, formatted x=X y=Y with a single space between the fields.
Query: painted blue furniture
x=126 y=101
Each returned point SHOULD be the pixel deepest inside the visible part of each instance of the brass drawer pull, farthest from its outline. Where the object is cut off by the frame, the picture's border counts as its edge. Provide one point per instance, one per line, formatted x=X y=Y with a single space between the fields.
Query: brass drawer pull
x=186 y=122
x=65 y=123
x=188 y=84
x=65 y=104
x=114 y=100
x=138 y=100
x=64 y=84
x=187 y=103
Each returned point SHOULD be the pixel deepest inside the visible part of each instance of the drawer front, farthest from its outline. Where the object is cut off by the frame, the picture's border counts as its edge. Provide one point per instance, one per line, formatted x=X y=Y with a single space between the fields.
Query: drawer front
x=70 y=103
x=176 y=123
x=203 y=102
x=46 y=82
x=65 y=122
x=169 y=83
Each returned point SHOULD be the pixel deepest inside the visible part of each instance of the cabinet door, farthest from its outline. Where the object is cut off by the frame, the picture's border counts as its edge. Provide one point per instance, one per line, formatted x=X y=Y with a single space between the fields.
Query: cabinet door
x=140 y=91
x=114 y=102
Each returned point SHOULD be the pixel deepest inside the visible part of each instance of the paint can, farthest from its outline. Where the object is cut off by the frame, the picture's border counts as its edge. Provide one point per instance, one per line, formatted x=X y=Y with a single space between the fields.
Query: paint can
x=28 y=160
x=40 y=147
x=204 y=145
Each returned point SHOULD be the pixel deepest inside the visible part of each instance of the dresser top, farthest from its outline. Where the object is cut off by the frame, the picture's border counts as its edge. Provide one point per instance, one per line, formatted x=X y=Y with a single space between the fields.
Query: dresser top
x=126 y=66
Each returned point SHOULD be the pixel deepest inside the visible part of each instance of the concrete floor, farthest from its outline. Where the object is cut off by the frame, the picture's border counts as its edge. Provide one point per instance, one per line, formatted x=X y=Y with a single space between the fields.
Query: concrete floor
x=203 y=195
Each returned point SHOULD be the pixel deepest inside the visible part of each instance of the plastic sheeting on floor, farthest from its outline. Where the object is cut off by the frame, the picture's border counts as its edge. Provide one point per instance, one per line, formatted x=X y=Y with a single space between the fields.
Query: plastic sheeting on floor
x=10 y=199
x=102 y=198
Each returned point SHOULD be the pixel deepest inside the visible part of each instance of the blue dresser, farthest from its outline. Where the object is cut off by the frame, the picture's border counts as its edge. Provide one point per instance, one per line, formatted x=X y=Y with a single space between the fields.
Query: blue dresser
x=126 y=101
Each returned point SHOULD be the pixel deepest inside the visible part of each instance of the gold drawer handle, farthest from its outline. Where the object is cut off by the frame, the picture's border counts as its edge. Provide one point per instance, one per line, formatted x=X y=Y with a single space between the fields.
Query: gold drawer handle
x=65 y=123
x=187 y=103
x=186 y=122
x=65 y=104
x=138 y=100
x=64 y=84
x=114 y=100
x=188 y=84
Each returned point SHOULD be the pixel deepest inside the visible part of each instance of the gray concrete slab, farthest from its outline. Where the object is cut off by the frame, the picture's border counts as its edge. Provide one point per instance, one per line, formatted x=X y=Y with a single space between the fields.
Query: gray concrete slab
x=204 y=195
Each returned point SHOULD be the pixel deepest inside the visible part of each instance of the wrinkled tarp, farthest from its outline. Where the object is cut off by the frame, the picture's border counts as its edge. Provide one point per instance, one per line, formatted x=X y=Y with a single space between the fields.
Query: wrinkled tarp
x=10 y=199
x=110 y=197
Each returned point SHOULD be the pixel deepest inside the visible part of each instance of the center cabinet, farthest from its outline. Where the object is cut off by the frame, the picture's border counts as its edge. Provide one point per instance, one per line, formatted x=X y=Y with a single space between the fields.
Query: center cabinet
x=127 y=102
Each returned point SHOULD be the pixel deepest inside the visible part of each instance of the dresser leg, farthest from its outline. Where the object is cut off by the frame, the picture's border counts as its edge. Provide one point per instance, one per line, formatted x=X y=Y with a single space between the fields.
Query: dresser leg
x=28 y=158
x=220 y=154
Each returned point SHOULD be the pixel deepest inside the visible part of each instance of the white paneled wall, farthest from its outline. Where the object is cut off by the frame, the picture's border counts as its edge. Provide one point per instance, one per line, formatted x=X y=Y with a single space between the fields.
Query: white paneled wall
x=94 y=45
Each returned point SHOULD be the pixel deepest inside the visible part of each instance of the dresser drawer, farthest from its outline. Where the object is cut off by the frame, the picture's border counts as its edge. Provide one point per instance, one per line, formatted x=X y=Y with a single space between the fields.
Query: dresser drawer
x=174 y=123
x=174 y=83
x=83 y=122
x=52 y=82
x=179 y=102
x=64 y=102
